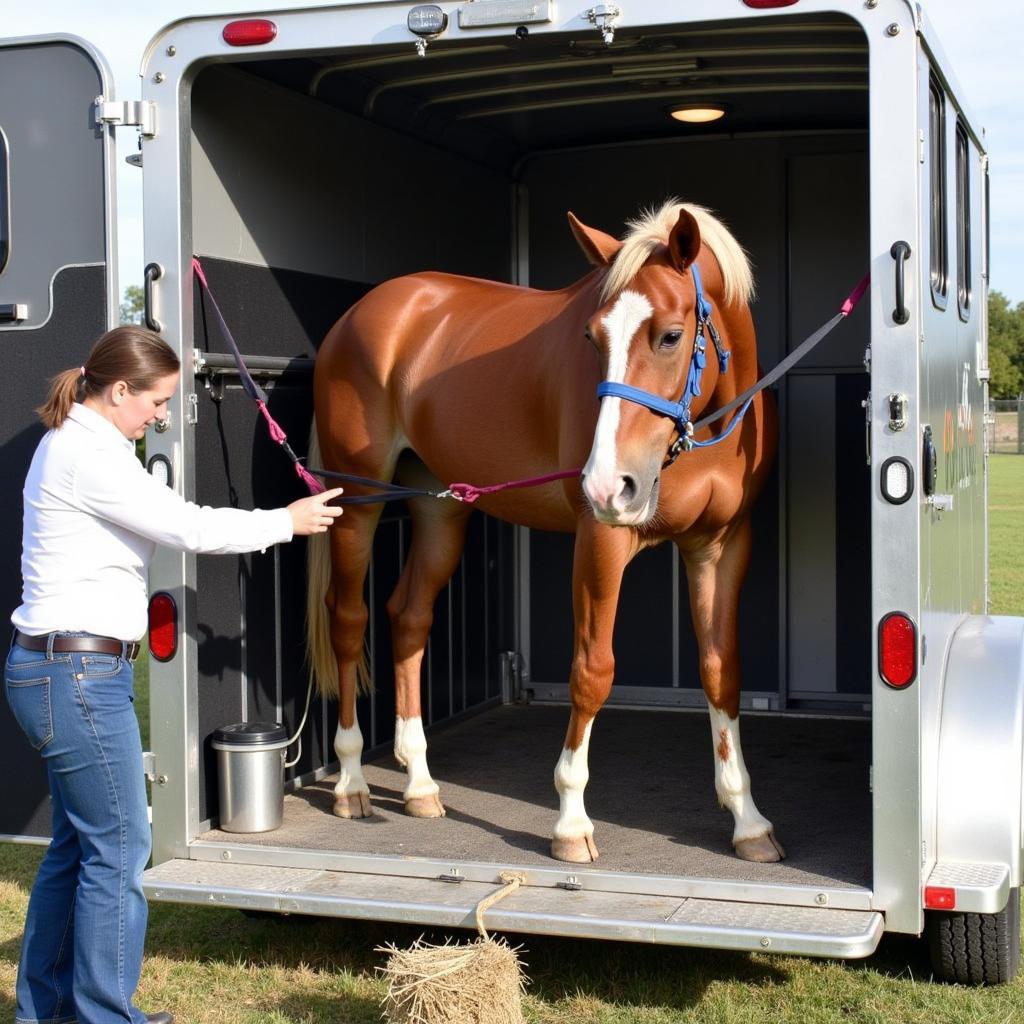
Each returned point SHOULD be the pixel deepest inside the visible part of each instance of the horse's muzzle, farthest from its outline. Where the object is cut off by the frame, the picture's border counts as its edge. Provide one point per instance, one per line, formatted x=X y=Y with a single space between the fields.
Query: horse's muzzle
x=621 y=499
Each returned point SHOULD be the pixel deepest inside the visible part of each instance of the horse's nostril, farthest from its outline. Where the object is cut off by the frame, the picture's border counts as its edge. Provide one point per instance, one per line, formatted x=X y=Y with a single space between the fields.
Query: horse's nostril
x=628 y=489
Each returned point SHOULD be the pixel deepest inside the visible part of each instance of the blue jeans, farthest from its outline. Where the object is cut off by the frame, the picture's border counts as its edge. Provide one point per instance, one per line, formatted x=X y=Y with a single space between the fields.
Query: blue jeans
x=82 y=950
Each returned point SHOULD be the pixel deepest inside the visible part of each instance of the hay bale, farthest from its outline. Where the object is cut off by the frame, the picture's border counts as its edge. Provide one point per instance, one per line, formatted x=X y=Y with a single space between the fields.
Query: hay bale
x=478 y=982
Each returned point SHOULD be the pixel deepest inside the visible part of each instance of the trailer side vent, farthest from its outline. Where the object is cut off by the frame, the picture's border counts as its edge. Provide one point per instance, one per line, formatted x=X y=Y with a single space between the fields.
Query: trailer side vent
x=163 y=626
x=897 y=650
x=250 y=32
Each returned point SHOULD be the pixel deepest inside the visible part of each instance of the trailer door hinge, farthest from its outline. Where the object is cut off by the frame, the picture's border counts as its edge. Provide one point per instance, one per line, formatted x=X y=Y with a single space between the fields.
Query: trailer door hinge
x=139 y=114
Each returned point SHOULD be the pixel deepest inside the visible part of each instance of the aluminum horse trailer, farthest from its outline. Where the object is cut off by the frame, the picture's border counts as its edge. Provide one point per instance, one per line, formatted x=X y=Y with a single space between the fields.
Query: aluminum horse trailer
x=291 y=152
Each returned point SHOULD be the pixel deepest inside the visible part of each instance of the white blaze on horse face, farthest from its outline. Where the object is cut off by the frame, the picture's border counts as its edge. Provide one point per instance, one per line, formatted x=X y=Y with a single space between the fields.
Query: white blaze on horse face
x=732 y=782
x=411 y=753
x=348 y=745
x=601 y=474
x=571 y=775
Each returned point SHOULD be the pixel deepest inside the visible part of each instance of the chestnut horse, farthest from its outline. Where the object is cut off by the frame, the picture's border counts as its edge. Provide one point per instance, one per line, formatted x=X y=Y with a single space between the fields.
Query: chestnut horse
x=489 y=382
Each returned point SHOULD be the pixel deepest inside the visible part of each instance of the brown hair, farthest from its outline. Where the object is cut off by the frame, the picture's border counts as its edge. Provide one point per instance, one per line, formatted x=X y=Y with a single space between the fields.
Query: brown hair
x=133 y=354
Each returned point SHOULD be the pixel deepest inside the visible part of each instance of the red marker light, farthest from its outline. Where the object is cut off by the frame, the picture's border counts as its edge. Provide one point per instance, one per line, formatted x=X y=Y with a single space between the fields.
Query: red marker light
x=163 y=627
x=251 y=32
x=897 y=650
x=764 y=4
x=938 y=897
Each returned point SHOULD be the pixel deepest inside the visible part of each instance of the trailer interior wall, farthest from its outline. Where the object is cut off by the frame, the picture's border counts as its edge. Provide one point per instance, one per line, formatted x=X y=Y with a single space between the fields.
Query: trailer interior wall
x=291 y=235
x=294 y=225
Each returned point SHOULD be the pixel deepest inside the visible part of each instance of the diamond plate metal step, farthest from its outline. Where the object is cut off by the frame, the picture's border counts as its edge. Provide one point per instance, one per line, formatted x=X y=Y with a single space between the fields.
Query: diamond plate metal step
x=672 y=920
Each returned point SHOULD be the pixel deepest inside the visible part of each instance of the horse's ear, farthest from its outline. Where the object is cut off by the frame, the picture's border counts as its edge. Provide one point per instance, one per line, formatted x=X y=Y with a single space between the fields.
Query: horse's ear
x=599 y=248
x=684 y=242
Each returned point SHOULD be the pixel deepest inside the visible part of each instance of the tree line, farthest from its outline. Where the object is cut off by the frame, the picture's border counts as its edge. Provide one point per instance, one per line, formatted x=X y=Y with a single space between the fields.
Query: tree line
x=1005 y=346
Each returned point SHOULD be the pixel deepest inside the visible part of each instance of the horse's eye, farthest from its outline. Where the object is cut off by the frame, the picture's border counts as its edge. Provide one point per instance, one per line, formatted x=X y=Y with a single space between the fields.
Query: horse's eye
x=671 y=339
x=588 y=335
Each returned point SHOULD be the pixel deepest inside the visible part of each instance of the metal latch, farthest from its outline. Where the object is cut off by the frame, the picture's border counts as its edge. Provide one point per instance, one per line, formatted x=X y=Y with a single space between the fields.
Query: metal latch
x=139 y=114
x=604 y=16
x=149 y=765
x=940 y=502
x=898 y=405
x=866 y=405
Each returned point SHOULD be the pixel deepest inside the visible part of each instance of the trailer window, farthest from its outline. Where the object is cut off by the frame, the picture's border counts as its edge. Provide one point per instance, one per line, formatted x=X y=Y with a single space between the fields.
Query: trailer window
x=937 y=173
x=5 y=204
x=963 y=223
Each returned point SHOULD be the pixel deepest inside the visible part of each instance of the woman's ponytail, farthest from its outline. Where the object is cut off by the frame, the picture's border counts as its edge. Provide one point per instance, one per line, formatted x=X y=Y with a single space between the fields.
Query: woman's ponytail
x=130 y=353
x=65 y=389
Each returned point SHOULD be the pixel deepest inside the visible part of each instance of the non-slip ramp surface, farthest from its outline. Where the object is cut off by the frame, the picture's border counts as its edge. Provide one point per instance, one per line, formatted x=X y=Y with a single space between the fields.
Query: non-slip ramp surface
x=651 y=797
x=724 y=924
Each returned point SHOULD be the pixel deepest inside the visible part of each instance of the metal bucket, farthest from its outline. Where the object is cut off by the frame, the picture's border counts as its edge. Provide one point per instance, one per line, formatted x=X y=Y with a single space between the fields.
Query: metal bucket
x=250 y=775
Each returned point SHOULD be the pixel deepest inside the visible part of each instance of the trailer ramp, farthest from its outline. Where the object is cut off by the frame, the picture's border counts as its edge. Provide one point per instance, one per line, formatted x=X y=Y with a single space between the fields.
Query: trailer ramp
x=533 y=909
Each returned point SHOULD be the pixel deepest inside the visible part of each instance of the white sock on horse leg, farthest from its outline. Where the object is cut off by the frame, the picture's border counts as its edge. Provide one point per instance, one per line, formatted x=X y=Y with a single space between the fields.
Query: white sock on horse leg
x=732 y=781
x=411 y=753
x=571 y=776
x=348 y=745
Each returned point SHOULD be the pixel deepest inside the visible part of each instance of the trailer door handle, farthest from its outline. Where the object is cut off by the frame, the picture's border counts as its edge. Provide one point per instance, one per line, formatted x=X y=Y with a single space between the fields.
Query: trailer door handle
x=12 y=312
x=153 y=273
x=900 y=252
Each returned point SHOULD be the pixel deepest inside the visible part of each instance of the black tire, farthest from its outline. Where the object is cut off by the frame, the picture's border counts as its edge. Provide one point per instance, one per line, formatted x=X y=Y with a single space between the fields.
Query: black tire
x=976 y=949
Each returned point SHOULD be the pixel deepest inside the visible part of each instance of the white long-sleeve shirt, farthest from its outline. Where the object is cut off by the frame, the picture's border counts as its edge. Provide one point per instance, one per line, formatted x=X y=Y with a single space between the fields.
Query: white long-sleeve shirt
x=93 y=517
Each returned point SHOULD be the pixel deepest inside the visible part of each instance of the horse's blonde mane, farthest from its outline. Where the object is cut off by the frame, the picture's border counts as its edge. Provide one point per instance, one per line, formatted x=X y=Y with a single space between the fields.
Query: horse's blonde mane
x=653 y=227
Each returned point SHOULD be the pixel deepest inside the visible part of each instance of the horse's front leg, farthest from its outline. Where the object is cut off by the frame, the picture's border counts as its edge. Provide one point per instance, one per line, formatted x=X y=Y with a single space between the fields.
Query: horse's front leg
x=601 y=555
x=715 y=569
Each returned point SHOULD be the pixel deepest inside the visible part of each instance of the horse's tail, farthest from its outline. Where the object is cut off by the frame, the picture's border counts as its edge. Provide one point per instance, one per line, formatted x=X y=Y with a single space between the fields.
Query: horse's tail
x=323 y=665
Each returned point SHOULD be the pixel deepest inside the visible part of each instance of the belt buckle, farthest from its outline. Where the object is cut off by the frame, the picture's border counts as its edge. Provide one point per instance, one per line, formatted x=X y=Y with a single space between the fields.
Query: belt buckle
x=131 y=651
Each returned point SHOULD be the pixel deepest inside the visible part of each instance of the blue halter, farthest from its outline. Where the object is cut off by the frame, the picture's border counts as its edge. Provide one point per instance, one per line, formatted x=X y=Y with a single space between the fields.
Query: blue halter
x=679 y=412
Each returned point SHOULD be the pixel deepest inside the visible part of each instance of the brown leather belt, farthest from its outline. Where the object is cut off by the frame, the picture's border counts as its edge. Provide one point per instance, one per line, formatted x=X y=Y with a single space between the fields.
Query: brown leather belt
x=82 y=644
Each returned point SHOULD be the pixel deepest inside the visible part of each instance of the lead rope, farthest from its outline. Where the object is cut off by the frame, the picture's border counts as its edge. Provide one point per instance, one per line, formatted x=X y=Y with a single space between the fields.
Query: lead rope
x=386 y=491
x=512 y=880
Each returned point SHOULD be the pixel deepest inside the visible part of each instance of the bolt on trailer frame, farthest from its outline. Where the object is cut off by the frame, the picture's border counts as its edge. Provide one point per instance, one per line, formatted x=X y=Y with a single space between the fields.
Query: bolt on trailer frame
x=937 y=825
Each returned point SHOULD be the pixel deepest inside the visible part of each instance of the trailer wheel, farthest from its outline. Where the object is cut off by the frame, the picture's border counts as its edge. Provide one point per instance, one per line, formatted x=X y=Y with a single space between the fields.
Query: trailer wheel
x=976 y=949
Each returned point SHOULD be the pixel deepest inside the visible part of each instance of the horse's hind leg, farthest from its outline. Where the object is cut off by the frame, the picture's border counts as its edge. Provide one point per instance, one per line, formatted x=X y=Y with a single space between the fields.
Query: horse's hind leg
x=438 y=536
x=715 y=569
x=351 y=545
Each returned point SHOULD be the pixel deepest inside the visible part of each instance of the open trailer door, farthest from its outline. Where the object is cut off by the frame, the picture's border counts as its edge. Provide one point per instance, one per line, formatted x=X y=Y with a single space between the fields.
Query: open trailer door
x=58 y=292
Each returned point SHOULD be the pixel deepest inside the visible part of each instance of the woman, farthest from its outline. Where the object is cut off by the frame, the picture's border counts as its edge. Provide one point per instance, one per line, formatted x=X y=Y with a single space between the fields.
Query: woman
x=93 y=517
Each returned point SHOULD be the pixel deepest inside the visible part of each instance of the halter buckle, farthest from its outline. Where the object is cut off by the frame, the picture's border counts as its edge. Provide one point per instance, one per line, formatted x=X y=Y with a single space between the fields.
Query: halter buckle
x=683 y=443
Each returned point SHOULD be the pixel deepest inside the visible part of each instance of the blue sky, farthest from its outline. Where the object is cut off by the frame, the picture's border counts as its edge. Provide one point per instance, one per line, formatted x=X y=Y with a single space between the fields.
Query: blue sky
x=984 y=41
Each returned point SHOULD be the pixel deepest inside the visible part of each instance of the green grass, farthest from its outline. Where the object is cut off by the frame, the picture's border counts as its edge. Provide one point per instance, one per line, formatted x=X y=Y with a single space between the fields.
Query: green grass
x=220 y=967
x=1006 y=534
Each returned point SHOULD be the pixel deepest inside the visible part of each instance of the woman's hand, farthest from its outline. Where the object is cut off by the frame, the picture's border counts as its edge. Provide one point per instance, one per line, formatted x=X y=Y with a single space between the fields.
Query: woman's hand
x=313 y=514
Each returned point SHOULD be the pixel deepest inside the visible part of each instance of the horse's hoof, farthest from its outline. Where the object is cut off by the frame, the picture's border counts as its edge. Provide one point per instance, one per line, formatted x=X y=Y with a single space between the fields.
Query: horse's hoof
x=578 y=850
x=429 y=806
x=764 y=849
x=354 y=805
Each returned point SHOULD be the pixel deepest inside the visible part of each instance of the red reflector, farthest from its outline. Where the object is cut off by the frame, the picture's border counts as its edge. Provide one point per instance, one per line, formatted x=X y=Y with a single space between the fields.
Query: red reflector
x=163 y=627
x=938 y=897
x=251 y=32
x=897 y=650
x=762 y=4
